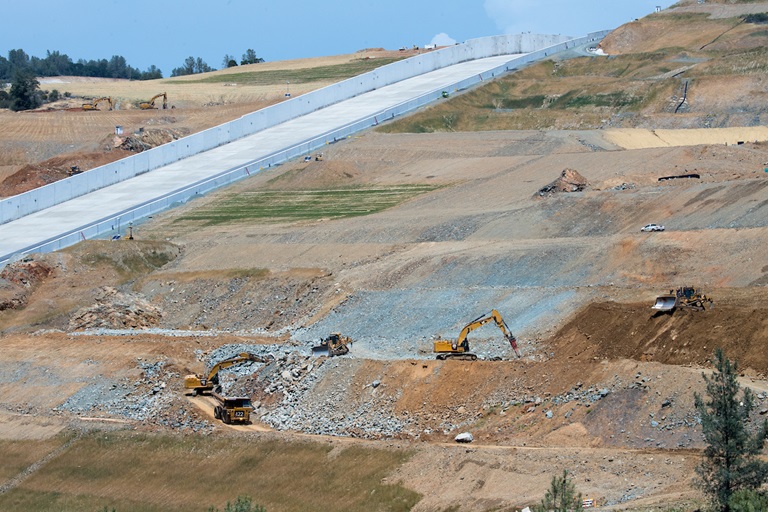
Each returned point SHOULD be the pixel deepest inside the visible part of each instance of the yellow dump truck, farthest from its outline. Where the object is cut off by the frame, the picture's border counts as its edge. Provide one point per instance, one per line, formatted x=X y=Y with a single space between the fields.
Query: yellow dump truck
x=232 y=409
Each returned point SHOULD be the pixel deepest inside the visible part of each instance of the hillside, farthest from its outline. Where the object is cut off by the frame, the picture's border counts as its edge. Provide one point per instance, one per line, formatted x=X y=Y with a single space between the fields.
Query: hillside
x=691 y=66
x=396 y=239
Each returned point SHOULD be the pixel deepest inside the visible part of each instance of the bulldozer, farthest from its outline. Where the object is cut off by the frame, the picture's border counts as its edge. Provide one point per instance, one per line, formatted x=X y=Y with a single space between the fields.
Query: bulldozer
x=333 y=345
x=687 y=297
x=201 y=383
x=148 y=105
x=94 y=105
x=459 y=348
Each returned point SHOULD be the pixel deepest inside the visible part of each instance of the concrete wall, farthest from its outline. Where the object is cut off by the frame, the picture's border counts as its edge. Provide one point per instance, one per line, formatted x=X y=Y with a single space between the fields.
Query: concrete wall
x=117 y=223
x=541 y=45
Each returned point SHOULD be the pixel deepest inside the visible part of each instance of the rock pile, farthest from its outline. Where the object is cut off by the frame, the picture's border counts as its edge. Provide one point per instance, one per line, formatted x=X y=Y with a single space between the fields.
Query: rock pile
x=569 y=181
x=115 y=309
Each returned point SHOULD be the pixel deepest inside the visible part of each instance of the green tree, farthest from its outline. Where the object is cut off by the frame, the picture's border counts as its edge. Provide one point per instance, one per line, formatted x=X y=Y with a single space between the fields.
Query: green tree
x=561 y=496
x=249 y=57
x=229 y=61
x=748 y=500
x=24 y=92
x=730 y=459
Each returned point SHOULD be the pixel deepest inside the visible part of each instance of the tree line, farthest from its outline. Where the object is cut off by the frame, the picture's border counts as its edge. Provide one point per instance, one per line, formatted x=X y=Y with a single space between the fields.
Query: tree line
x=194 y=65
x=61 y=64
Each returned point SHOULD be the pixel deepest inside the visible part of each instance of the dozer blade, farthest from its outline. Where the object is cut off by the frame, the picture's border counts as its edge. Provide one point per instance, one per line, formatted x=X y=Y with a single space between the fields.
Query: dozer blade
x=665 y=303
x=320 y=350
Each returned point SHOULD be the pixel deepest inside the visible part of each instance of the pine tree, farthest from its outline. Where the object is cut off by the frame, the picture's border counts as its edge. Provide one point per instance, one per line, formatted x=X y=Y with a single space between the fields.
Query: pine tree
x=24 y=92
x=730 y=459
x=561 y=496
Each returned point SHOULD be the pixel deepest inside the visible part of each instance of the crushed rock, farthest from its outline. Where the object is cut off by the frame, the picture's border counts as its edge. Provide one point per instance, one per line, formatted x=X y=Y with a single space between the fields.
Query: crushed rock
x=116 y=309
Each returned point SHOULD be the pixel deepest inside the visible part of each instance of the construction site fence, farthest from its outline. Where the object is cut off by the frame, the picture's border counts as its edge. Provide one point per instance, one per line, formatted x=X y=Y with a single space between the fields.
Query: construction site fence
x=117 y=224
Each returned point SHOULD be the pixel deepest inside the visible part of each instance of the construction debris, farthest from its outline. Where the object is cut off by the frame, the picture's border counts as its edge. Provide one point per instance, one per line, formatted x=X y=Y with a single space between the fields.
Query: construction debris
x=569 y=181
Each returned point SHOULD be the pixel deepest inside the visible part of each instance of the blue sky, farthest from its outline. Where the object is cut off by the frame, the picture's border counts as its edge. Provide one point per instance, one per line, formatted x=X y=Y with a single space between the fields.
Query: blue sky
x=165 y=32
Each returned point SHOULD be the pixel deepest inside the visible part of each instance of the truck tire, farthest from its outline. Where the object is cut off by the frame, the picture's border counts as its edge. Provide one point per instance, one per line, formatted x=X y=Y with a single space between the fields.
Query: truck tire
x=225 y=417
x=217 y=412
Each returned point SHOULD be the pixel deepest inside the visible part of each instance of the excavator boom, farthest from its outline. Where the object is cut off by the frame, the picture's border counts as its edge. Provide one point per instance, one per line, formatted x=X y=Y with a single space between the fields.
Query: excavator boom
x=459 y=349
x=147 y=105
x=203 y=383
x=94 y=105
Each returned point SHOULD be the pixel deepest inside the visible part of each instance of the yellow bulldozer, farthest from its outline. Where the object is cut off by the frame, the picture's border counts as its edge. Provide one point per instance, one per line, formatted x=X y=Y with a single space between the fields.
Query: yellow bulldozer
x=333 y=345
x=686 y=297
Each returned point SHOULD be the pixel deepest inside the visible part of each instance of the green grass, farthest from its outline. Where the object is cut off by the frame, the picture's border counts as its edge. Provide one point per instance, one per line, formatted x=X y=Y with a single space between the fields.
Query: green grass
x=296 y=76
x=132 y=258
x=302 y=205
x=153 y=473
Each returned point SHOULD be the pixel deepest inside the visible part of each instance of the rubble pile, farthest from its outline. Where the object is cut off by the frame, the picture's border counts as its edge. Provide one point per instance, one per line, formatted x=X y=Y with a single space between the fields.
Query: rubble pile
x=115 y=309
x=18 y=278
x=569 y=181
x=149 y=399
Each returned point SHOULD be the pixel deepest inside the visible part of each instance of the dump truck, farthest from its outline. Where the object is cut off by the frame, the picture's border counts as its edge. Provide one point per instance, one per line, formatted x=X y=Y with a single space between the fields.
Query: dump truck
x=459 y=348
x=231 y=409
x=687 y=297
x=333 y=345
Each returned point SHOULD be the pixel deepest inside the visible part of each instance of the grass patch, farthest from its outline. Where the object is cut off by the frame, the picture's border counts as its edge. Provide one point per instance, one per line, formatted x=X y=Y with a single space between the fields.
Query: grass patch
x=297 y=76
x=302 y=205
x=19 y=455
x=612 y=99
x=154 y=473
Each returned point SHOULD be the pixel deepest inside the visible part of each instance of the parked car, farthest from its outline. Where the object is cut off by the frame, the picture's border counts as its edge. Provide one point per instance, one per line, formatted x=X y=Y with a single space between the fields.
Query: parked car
x=652 y=227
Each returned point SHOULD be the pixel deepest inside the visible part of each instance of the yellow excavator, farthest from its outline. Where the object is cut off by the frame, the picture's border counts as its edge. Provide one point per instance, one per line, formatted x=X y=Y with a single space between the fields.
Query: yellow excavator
x=201 y=383
x=459 y=348
x=93 y=105
x=147 y=105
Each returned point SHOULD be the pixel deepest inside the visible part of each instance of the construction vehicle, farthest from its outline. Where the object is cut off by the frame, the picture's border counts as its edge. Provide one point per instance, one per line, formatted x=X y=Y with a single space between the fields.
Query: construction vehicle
x=459 y=348
x=94 y=105
x=231 y=409
x=201 y=383
x=686 y=297
x=147 y=105
x=333 y=345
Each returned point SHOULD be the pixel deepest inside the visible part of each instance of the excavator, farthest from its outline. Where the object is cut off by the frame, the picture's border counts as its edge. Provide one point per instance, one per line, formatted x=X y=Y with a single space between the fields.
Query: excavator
x=459 y=348
x=93 y=105
x=147 y=105
x=201 y=383
x=333 y=345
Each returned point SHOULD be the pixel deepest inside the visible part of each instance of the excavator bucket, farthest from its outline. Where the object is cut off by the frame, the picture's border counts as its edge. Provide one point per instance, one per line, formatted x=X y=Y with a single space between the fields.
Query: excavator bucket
x=665 y=303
